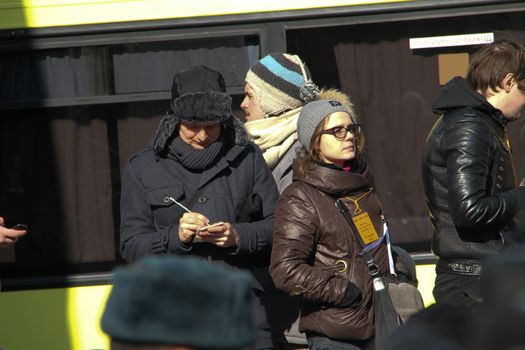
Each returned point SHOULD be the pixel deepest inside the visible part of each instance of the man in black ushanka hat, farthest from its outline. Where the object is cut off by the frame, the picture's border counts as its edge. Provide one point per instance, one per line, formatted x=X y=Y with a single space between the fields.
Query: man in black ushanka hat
x=199 y=170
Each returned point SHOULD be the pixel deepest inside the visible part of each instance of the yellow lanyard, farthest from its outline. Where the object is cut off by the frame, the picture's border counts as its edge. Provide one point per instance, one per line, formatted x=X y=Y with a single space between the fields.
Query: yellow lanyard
x=357 y=209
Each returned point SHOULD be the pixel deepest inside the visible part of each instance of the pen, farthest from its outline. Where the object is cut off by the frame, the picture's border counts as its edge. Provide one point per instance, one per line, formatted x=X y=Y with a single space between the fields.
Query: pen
x=179 y=204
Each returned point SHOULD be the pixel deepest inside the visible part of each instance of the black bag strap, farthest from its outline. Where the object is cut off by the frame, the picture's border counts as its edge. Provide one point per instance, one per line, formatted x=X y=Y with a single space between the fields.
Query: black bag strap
x=386 y=317
x=373 y=269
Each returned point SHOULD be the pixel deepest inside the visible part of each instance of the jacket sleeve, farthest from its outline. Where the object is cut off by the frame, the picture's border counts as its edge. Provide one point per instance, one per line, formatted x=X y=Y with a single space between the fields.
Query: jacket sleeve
x=294 y=240
x=468 y=150
x=138 y=234
x=256 y=236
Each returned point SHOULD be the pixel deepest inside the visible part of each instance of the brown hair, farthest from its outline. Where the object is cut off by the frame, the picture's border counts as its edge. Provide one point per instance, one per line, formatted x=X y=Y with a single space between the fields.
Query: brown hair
x=493 y=62
x=308 y=157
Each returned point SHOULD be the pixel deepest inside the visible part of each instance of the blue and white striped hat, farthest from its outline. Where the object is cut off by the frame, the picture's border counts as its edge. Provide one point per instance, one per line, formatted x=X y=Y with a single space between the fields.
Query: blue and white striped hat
x=281 y=82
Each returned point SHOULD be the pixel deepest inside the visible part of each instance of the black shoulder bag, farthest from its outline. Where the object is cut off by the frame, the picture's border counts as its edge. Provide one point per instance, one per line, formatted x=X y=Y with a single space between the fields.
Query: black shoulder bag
x=386 y=316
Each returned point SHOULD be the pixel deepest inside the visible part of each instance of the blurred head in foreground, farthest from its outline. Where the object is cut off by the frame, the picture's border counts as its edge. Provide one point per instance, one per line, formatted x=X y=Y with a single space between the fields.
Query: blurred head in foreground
x=175 y=302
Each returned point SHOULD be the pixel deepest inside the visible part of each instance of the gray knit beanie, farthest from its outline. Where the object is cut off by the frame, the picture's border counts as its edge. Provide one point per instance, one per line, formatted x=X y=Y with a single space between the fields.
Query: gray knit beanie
x=312 y=114
x=281 y=82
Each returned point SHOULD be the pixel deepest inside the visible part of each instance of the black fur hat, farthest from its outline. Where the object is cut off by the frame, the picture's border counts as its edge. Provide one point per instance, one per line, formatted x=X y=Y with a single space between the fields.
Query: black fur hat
x=198 y=95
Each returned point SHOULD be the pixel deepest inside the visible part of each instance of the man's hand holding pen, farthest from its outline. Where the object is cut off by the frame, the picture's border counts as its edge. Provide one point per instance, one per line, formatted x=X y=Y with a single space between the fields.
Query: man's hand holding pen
x=189 y=224
x=194 y=225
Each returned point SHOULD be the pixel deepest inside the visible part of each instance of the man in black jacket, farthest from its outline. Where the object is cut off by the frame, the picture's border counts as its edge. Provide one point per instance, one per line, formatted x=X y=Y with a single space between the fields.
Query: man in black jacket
x=200 y=169
x=468 y=172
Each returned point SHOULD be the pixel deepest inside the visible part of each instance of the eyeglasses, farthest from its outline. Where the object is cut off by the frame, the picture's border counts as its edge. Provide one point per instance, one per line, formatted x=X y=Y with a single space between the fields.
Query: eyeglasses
x=340 y=132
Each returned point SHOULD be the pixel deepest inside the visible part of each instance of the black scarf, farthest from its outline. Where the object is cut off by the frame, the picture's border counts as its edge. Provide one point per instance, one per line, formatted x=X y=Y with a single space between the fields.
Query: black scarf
x=195 y=159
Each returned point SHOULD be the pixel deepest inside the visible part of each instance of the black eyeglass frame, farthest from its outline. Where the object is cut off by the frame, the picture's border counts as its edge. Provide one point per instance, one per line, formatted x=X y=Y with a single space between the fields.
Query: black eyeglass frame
x=354 y=129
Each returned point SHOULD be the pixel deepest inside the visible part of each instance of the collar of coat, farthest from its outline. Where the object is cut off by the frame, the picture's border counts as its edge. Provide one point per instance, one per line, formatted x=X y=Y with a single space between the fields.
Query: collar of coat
x=222 y=163
x=235 y=133
x=457 y=95
x=335 y=182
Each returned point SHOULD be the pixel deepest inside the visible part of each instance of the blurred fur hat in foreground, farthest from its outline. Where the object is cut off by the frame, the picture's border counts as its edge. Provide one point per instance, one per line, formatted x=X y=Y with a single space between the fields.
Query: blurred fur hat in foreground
x=186 y=301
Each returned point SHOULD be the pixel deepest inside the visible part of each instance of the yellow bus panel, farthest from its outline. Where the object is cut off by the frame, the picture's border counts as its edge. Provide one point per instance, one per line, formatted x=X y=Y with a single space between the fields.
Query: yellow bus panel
x=69 y=318
x=52 y=13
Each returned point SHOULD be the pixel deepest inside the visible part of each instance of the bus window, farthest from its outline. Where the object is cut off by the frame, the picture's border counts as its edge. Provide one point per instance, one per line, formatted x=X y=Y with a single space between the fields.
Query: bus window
x=393 y=88
x=71 y=118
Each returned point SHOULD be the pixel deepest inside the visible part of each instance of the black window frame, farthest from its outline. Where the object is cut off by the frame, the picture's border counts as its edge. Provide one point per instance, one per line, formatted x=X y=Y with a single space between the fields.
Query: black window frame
x=271 y=28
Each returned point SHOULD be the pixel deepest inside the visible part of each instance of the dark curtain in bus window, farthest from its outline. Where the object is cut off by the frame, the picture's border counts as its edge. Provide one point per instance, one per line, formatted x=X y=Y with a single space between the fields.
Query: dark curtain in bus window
x=145 y=67
x=28 y=187
x=54 y=74
x=82 y=153
x=392 y=90
x=56 y=178
x=137 y=126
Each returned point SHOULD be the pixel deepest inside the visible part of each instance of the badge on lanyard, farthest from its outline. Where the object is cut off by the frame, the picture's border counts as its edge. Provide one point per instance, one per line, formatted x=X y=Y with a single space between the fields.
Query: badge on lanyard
x=365 y=228
x=362 y=222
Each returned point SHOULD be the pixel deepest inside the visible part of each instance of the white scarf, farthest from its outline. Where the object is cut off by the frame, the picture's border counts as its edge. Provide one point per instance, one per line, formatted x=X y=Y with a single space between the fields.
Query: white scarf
x=274 y=135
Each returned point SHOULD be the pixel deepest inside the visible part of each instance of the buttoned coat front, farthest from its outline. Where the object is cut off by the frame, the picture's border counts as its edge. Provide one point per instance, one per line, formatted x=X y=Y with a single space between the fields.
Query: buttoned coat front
x=149 y=218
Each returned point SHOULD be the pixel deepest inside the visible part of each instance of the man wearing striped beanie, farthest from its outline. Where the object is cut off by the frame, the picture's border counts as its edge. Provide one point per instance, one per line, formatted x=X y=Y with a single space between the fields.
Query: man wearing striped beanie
x=283 y=83
x=277 y=87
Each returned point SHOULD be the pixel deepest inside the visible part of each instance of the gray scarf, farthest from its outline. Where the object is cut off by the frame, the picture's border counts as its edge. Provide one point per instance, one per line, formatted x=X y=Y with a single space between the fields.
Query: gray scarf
x=195 y=159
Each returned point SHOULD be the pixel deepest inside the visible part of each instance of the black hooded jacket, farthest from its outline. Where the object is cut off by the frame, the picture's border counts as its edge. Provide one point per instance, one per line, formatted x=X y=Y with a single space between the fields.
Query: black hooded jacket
x=468 y=175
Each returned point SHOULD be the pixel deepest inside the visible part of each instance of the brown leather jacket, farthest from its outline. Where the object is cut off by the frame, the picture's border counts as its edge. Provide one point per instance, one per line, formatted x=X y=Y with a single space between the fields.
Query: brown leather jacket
x=311 y=236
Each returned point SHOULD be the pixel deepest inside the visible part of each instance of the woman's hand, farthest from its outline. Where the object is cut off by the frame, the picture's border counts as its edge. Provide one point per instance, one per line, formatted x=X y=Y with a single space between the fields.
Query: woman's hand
x=352 y=296
x=222 y=235
x=189 y=223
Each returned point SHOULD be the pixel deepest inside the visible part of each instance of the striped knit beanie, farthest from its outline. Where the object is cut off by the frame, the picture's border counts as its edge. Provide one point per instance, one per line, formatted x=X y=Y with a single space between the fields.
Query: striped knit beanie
x=281 y=82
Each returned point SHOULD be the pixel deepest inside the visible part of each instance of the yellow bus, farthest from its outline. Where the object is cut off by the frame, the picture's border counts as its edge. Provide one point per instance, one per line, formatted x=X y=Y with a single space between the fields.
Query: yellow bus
x=83 y=84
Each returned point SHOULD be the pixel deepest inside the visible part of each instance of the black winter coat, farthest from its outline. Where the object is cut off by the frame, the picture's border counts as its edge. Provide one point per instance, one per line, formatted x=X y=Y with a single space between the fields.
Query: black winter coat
x=155 y=178
x=468 y=175
x=149 y=222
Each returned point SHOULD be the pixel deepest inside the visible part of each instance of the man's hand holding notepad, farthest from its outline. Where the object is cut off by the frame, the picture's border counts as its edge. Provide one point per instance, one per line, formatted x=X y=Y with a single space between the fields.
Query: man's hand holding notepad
x=207 y=227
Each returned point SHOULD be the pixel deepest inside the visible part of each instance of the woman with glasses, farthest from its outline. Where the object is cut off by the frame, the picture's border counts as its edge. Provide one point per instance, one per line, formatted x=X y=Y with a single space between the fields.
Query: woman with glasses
x=315 y=255
x=277 y=87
